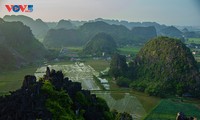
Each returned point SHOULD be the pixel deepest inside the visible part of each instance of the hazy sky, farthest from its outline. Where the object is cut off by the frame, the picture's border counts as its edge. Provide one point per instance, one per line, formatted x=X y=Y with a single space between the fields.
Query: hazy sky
x=170 y=12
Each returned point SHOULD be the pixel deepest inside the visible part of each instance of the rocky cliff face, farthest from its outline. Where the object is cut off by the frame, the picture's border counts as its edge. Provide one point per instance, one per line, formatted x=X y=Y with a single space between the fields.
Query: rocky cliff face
x=167 y=65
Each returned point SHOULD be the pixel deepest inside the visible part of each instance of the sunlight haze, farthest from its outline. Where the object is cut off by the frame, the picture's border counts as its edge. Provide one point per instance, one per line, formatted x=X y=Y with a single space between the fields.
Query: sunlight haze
x=169 y=12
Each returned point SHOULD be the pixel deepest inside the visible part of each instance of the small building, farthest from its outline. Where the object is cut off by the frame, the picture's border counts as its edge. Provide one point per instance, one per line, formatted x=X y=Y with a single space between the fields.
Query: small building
x=194 y=53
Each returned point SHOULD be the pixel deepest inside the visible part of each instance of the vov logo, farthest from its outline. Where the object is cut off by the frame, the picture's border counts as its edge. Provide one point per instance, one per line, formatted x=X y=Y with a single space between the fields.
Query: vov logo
x=17 y=8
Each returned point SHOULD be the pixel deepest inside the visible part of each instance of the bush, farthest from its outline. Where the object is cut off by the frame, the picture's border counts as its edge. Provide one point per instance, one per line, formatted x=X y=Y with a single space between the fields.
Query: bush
x=123 y=82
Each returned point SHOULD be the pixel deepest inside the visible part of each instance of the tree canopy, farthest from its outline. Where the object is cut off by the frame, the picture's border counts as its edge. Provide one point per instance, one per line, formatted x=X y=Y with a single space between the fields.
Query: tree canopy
x=101 y=44
x=164 y=66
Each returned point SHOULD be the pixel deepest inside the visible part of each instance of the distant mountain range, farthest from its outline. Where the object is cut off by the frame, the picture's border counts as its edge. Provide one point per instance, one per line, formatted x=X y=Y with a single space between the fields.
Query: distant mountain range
x=78 y=33
x=38 y=27
x=83 y=34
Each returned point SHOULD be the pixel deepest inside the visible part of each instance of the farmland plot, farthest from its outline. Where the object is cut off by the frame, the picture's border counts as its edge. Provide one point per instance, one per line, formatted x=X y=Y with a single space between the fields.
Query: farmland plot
x=129 y=104
x=77 y=72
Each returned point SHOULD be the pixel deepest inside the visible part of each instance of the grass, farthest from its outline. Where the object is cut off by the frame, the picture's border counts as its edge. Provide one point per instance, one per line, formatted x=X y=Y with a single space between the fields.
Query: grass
x=193 y=40
x=148 y=102
x=117 y=96
x=98 y=65
x=12 y=80
x=129 y=50
x=168 y=109
x=75 y=49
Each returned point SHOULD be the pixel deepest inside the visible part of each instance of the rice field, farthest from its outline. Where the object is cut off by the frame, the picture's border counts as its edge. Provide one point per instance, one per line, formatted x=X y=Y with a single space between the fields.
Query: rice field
x=193 y=40
x=12 y=80
x=128 y=103
x=168 y=109
x=77 y=72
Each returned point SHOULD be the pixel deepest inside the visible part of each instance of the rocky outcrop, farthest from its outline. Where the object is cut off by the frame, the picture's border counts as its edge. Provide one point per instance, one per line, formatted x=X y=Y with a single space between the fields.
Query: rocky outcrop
x=53 y=97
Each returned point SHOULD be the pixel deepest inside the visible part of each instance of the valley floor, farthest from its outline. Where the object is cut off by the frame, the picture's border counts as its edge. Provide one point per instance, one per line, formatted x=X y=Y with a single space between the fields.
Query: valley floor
x=139 y=105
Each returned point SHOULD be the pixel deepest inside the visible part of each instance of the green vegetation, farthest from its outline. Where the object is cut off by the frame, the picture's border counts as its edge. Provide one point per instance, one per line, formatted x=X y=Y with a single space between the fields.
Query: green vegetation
x=123 y=82
x=18 y=46
x=124 y=103
x=98 y=65
x=58 y=102
x=98 y=83
x=12 y=80
x=161 y=71
x=144 y=33
x=117 y=95
x=148 y=102
x=55 y=97
x=163 y=67
x=130 y=50
x=75 y=49
x=193 y=40
x=168 y=109
x=62 y=38
x=171 y=31
x=57 y=38
x=120 y=34
x=38 y=27
x=100 y=45
x=65 y=24
x=118 y=66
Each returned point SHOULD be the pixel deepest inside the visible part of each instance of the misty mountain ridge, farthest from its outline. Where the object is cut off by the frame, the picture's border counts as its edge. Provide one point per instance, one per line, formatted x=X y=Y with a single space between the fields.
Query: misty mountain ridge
x=121 y=35
x=38 y=27
x=18 y=45
x=78 y=33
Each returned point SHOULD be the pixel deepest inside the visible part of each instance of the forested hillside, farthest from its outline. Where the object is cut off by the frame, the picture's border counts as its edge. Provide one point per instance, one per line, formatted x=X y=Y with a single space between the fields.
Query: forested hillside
x=62 y=38
x=18 y=45
x=101 y=44
x=121 y=35
x=163 y=67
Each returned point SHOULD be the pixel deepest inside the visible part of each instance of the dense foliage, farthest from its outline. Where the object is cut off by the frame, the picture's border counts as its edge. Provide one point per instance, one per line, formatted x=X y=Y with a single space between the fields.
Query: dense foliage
x=55 y=97
x=119 y=70
x=18 y=45
x=100 y=44
x=164 y=66
x=62 y=38
x=118 y=66
x=144 y=33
